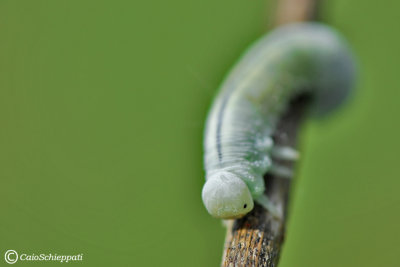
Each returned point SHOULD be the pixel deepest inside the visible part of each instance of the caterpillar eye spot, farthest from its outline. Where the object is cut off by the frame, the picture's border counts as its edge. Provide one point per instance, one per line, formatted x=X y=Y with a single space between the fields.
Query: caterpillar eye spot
x=245 y=206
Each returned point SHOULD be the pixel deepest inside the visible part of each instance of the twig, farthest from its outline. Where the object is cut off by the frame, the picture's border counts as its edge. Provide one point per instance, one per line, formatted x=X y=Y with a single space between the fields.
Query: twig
x=297 y=10
x=256 y=239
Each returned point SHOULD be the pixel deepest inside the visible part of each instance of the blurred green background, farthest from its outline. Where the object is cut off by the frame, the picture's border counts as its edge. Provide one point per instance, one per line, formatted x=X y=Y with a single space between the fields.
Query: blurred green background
x=102 y=106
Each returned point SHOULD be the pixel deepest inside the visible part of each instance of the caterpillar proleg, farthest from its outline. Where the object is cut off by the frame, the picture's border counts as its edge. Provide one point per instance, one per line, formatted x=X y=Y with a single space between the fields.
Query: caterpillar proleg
x=302 y=58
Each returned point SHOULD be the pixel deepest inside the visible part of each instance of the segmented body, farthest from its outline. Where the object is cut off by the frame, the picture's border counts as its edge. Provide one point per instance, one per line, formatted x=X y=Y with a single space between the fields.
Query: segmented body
x=302 y=58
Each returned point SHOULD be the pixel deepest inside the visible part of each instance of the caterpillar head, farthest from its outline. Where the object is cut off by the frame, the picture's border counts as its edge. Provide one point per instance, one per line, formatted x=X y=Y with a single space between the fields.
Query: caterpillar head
x=226 y=196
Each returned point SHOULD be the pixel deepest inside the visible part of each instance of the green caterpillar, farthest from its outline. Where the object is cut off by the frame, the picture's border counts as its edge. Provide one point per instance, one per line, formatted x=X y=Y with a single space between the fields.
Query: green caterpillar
x=302 y=58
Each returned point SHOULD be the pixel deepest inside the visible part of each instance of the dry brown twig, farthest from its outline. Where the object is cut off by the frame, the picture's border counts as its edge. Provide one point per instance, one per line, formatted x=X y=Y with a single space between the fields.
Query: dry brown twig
x=256 y=239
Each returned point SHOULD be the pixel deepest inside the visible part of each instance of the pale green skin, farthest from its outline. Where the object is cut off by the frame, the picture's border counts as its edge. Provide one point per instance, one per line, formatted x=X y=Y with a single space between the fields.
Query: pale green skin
x=292 y=60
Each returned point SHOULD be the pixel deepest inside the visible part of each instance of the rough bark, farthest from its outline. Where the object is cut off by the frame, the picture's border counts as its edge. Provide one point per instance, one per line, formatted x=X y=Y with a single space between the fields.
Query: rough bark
x=257 y=238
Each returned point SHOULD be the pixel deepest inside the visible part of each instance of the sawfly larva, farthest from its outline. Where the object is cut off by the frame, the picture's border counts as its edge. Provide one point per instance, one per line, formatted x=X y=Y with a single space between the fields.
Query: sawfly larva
x=297 y=59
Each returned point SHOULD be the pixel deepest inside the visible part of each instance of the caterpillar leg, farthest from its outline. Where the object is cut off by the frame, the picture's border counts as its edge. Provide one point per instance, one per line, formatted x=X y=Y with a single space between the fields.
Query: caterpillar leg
x=264 y=201
x=281 y=171
x=285 y=153
x=227 y=223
